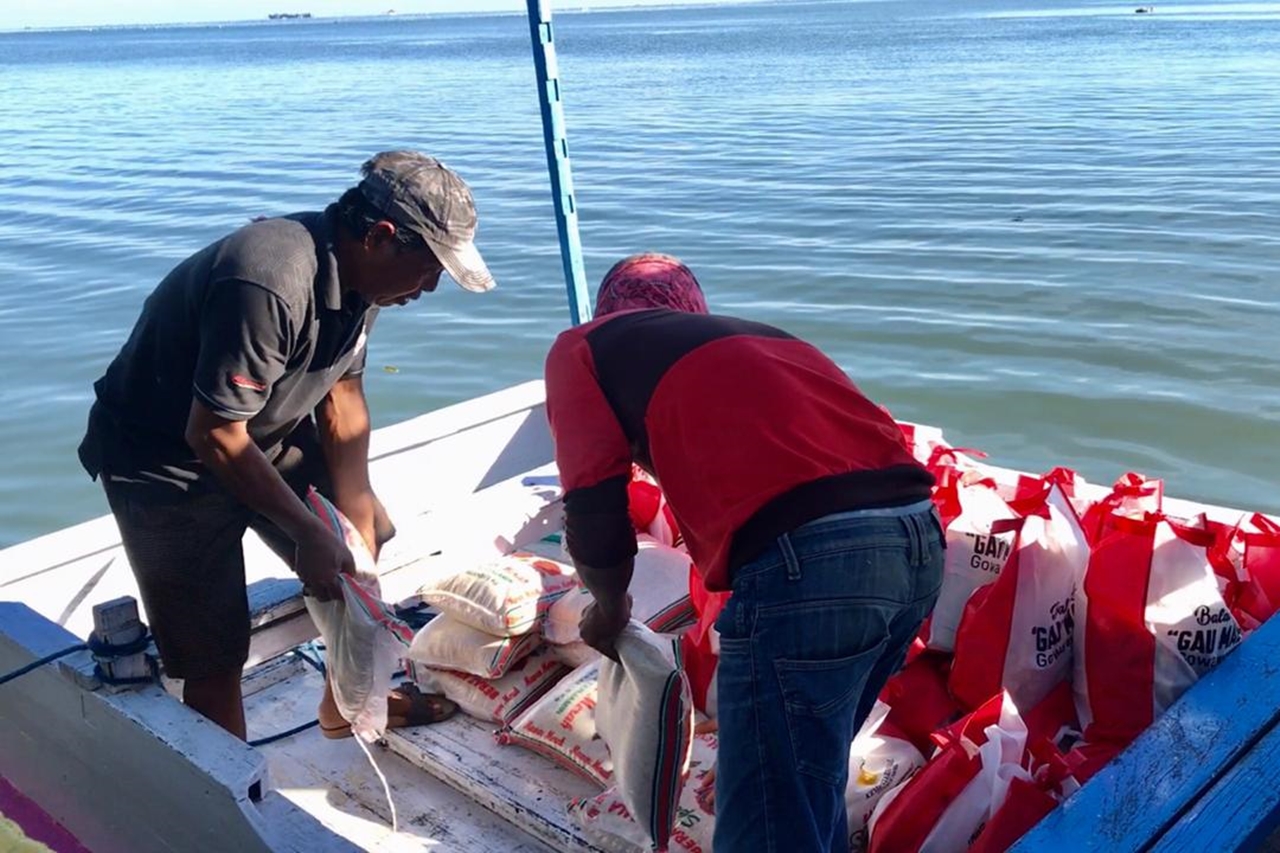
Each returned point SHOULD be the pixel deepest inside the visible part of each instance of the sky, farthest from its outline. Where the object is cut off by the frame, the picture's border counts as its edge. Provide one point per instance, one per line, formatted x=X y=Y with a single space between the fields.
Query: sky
x=17 y=14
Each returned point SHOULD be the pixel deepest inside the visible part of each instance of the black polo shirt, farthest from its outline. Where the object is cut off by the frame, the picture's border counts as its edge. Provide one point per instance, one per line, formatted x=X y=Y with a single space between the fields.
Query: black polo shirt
x=256 y=326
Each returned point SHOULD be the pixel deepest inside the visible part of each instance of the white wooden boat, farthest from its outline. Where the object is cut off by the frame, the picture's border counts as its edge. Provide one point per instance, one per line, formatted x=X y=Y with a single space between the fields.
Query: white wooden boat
x=135 y=770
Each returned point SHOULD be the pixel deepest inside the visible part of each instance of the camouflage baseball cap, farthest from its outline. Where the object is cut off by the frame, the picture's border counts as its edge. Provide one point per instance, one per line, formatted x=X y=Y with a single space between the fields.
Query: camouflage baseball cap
x=423 y=195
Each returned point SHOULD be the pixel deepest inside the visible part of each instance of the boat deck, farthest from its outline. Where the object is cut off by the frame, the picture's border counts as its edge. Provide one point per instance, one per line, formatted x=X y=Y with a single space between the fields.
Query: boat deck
x=333 y=780
x=466 y=483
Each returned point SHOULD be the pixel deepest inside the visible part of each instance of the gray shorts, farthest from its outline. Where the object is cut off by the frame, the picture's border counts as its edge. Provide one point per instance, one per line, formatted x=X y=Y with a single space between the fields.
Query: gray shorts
x=185 y=551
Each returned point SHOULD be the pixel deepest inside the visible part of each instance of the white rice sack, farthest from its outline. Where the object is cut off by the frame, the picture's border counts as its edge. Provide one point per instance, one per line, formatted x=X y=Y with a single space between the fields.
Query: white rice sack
x=505 y=597
x=446 y=643
x=645 y=715
x=362 y=634
x=606 y=821
x=498 y=700
x=562 y=726
x=877 y=764
x=659 y=595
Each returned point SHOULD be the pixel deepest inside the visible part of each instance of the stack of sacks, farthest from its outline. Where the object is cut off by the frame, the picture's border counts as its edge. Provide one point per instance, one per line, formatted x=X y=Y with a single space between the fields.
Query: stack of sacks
x=1094 y=613
x=490 y=623
x=629 y=725
x=562 y=726
x=659 y=600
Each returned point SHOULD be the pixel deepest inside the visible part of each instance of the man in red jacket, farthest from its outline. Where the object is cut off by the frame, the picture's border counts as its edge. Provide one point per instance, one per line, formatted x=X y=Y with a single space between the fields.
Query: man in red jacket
x=791 y=488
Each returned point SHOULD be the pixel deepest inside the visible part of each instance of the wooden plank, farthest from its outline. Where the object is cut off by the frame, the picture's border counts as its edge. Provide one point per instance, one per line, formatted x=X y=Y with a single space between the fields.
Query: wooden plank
x=1239 y=811
x=333 y=781
x=1148 y=787
x=517 y=785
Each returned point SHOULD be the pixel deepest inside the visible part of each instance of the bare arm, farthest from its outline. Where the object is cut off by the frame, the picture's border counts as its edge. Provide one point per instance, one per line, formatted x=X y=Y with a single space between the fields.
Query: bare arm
x=227 y=450
x=342 y=420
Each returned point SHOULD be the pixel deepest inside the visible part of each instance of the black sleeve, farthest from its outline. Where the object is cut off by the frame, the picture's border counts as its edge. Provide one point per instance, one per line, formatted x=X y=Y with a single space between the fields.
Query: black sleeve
x=597 y=524
x=246 y=336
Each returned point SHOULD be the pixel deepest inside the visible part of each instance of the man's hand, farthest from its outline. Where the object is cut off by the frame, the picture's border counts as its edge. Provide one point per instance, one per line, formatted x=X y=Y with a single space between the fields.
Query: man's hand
x=601 y=625
x=706 y=792
x=318 y=559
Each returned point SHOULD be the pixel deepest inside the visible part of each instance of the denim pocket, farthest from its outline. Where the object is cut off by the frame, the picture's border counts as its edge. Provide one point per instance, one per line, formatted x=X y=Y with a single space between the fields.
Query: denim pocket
x=820 y=698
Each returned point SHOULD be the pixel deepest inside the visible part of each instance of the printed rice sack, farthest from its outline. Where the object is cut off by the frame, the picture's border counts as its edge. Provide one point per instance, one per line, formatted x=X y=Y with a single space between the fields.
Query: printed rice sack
x=980 y=533
x=363 y=637
x=446 y=643
x=505 y=597
x=1151 y=620
x=606 y=821
x=1016 y=632
x=659 y=595
x=645 y=716
x=880 y=759
x=562 y=726
x=498 y=700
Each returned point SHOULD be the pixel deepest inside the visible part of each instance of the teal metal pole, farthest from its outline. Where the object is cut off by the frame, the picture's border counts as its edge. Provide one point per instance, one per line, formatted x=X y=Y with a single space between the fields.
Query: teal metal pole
x=557 y=145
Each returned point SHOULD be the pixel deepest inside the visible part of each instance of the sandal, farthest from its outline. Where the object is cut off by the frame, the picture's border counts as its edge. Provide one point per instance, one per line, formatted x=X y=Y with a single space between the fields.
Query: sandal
x=423 y=709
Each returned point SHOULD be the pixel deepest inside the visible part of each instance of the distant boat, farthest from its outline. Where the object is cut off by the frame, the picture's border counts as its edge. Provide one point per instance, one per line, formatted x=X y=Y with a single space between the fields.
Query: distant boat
x=285 y=16
x=1142 y=10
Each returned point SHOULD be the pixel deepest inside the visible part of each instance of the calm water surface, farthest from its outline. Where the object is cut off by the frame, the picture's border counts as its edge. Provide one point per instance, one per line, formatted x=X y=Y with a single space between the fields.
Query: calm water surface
x=1051 y=227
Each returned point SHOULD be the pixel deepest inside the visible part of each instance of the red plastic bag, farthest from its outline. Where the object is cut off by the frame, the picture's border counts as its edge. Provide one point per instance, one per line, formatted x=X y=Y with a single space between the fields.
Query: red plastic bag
x=919 y=701
x=1151 y=619
x=1016 y=632
x=944 y=805
x=1247 y=557
x=1132 y=495
x=700 y=645
x=1052 y=778
x=649 y=511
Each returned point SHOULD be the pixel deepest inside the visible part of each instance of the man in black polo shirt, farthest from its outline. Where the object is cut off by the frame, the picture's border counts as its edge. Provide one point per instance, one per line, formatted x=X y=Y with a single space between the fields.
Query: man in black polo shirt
x=240 y=386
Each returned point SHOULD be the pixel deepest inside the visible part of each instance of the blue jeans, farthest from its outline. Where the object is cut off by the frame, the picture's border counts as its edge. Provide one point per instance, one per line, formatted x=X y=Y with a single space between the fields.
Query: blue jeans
x=815 y=626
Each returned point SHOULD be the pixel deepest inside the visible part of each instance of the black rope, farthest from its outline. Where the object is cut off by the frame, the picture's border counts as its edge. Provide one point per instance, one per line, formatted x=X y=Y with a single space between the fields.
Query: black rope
x=101 y=651
x=263 y=741
x=318 y=665
x=36 y=664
